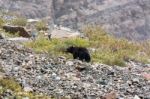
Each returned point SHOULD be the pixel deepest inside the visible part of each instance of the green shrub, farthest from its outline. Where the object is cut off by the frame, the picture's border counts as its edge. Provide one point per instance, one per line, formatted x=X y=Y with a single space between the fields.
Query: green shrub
x=1 y=22
x=95 y=33
x=77 y=42
x=41 y=26
x=19 y=22
x=17 y=90
x=10 y=84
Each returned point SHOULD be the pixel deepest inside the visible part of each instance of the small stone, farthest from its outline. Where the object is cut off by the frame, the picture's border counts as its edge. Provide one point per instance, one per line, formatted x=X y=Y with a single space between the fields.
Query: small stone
x=78 y=62
x=129 y=82
x=57 y=78
x=28 y=89
x=121 y=98
x=80 y=68
x=71 y=76
x=92 y=50
x=59 y=91
x=86 y=85
x=39 y=77
x=25 y=98
x=146 y=76
x=110 y=73
x=62 y=57
x=111 y=95
x=102 y=82
x=135 y=80
x=67 y=97
x=16 y=68
x=136 y=97
x=70 y=63
x=54 y=74
x=8 y=91
x=61 y=60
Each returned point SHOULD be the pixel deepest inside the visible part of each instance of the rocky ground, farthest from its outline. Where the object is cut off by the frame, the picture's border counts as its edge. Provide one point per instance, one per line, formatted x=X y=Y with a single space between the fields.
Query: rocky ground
x=73 y=79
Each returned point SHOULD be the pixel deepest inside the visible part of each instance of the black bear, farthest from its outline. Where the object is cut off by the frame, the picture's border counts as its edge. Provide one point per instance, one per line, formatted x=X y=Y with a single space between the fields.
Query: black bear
x=80 y=53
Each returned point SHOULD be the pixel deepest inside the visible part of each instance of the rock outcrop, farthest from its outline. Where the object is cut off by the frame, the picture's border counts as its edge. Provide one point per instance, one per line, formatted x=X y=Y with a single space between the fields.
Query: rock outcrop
x=17 y=29
x=1 y=36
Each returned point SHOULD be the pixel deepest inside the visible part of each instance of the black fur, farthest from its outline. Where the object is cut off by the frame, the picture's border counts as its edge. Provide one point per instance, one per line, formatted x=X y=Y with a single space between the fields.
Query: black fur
x=80 y=53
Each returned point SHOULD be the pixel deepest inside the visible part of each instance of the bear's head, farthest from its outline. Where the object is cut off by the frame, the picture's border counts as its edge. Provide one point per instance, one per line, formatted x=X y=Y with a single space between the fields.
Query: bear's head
x=70 y=49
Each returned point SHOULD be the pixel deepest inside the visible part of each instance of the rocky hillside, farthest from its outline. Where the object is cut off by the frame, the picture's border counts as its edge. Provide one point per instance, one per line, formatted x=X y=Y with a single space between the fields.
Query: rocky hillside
x=123 y=18
x=72 y=79
x=28 y=8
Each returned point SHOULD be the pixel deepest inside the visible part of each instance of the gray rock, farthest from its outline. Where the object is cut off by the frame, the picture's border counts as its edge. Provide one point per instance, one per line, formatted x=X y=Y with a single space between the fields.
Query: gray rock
x=135 y=80
x=70 y=63
x=136 y=97
x=25 y=98
x=1 y=36
x=28 y=89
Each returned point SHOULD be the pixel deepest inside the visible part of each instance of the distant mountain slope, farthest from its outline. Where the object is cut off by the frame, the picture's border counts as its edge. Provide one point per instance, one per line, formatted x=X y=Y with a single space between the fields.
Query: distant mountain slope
x=28 y=8
x=123 y=18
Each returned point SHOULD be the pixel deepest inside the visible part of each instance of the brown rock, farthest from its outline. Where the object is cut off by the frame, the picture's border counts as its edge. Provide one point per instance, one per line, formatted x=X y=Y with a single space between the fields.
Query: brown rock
x=16 y=29
x=2 y=75
x=146 y=76
x=1 y=37
x=81 y=68
x=111 y=95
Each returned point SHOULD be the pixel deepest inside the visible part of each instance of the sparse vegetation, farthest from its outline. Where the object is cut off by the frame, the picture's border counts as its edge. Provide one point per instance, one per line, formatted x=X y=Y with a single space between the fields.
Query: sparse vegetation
x=109 y=50
x=17 y=91
x=1 y=22
x=19 y=22
x=113 y=51
x=41 y=25
x=55 y=46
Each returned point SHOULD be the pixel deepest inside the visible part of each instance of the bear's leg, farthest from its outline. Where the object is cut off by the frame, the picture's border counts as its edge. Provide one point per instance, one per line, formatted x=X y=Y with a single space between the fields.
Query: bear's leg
x=75 y=55
x=84 y=57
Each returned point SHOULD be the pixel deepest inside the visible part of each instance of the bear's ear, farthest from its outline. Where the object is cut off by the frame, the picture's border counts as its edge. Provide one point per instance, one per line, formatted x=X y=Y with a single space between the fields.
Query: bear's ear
x=72 y=46
x=69 y=49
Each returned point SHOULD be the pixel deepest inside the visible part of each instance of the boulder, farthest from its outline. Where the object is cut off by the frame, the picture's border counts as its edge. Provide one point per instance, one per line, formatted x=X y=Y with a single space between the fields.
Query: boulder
x=1 y=36
x=17 y=29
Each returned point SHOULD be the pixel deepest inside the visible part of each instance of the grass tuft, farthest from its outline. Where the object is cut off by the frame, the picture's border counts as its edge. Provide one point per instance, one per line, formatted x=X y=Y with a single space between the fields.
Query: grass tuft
x=19 y=22
x=17 y=91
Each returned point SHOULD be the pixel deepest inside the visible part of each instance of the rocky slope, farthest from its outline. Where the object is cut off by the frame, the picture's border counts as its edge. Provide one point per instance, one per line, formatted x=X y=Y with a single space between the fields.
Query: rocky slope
x=123 y=18
x=28 y=8
x=72 y=79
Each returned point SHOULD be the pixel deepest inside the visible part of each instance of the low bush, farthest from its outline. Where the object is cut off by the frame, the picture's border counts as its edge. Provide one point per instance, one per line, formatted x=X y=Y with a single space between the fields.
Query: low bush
x=17 y=91
x=1 y=22
x=41 y=26
x=19 y=22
